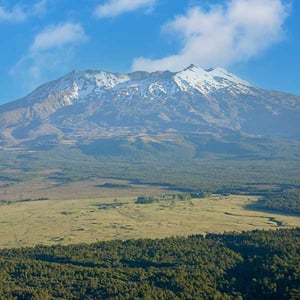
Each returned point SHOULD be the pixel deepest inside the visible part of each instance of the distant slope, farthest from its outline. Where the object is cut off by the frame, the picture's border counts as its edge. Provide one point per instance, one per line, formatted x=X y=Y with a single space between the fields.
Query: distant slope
x=83 y=107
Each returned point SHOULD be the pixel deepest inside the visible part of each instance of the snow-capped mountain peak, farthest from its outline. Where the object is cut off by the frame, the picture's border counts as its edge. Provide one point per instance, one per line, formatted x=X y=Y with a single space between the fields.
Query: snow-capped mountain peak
x=91 y=84
x=207 y=81
x=224 y=74
x=78 y=85
x=101 y=79
x=87 y=105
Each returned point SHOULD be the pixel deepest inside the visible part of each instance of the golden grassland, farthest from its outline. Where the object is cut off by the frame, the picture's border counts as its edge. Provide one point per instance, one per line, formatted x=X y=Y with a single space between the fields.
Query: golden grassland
x=97 y=219
x=41 y=187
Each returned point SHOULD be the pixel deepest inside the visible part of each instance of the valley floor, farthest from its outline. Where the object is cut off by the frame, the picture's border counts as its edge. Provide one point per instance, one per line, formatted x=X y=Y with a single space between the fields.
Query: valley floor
x=89 y=220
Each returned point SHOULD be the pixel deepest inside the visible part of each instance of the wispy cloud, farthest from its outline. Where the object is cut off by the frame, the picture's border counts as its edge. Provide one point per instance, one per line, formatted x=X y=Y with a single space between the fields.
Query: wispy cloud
x=52 y=50
x=39 y=8
x=20 y=13
x=58 y=36
x=222 y=35
x=113 y=8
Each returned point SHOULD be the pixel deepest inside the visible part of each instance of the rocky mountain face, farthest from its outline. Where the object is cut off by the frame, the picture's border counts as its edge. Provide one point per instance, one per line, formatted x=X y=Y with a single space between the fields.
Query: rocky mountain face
x=85 y=106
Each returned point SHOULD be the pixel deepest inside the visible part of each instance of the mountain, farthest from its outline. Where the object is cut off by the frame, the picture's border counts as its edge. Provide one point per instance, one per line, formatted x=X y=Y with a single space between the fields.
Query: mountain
x=85 y=107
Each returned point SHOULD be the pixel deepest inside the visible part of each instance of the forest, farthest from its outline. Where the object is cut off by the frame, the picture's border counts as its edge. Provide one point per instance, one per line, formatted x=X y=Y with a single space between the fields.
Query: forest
x=284 y=201
x=247 y=265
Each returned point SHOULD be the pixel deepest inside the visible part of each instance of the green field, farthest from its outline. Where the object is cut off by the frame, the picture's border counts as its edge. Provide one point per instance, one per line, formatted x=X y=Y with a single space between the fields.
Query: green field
x=96 y=219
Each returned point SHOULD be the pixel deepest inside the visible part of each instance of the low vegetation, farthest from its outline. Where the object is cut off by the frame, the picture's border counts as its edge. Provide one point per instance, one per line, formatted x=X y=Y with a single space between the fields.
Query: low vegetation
x=65 y=166
x=65 y=222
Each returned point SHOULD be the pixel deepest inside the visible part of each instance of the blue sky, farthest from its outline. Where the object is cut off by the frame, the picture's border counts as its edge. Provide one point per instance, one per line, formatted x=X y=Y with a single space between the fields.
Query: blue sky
x=258 y=40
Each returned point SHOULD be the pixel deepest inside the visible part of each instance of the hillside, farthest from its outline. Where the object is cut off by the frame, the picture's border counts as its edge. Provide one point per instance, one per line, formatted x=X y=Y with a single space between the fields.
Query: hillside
x=199 y=129
x=87 y=107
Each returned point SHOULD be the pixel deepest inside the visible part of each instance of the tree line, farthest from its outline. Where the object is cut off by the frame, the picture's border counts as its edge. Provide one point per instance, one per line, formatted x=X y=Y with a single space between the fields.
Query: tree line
x=284 y=201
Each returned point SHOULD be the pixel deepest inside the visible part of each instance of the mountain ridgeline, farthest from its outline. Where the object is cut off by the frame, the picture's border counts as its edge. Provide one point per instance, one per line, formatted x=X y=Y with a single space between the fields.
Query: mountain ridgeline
x=102 y=113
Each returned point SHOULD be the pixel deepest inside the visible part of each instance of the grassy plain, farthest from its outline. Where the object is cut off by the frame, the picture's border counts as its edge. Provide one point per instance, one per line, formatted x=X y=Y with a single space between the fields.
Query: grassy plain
x=48 y=185
x=90 y=220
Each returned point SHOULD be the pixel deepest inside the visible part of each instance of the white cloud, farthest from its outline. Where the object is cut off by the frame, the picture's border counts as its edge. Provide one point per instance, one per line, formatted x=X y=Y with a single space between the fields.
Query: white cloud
x=21 y=13
x=51 y=52
x=58 y=36
x=114 y=8
x=223 y=35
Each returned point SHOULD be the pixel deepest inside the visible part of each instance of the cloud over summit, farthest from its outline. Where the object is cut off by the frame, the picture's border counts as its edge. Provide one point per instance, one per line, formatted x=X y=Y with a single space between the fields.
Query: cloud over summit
x=222 y=35
x=51 y=49
x=58 y=36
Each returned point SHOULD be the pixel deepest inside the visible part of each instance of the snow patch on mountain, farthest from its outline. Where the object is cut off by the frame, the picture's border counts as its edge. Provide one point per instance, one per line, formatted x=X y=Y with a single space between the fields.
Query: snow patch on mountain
x=102 y=79
x=208 y=81
x=92 y=85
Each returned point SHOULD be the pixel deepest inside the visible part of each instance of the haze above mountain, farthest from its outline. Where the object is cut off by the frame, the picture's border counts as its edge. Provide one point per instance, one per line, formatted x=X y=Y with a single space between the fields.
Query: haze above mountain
x=86 y=106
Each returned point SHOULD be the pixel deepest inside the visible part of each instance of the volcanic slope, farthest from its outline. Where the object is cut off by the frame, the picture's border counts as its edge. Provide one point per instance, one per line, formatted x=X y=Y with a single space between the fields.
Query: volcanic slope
x=85 y=106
